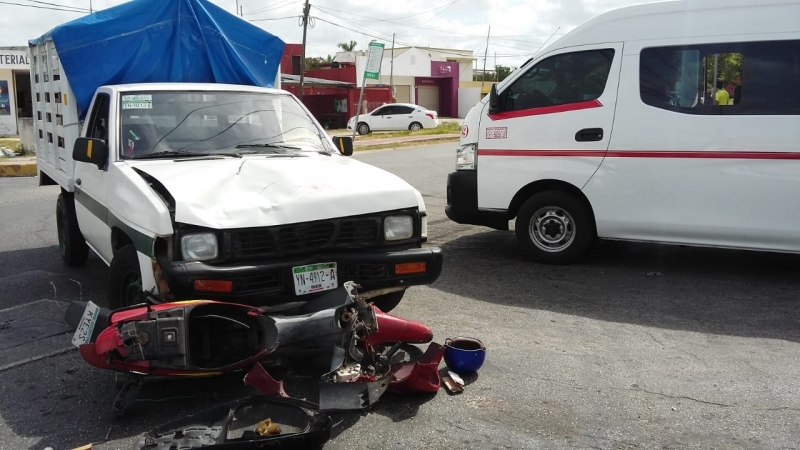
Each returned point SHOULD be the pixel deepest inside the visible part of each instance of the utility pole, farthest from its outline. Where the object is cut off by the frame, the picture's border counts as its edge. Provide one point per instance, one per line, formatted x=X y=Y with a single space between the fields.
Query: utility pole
x=241 y=11
x=90 y=7
x=485 y=55
x=496 y=73
x=391 y=68
x=237 y=7
x=306 y=9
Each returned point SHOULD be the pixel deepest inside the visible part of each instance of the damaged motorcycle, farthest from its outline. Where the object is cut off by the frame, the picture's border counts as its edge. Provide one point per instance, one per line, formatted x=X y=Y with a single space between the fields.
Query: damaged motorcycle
x=208 y=338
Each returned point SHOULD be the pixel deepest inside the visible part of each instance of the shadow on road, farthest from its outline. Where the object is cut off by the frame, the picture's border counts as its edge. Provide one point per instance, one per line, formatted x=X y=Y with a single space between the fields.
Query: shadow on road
x=36 y=273
x=750 y=294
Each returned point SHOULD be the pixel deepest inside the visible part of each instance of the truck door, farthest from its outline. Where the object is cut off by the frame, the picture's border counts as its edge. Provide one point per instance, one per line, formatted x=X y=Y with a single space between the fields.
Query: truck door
x=91 y=184
x=553 y=121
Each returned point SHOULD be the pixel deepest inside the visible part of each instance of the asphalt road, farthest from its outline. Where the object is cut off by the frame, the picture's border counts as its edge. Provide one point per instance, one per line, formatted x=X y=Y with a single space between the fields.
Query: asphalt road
x=640 y=346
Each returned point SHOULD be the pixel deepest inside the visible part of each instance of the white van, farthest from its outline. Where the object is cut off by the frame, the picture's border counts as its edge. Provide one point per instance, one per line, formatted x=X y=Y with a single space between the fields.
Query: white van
x=674 y=122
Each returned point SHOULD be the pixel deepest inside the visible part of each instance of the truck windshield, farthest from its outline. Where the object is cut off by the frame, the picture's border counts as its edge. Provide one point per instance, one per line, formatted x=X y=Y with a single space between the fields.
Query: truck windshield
x=185 y=123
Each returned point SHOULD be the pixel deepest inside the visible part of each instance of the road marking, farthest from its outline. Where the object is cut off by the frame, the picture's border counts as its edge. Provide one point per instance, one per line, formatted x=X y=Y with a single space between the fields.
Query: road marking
x=37 y=358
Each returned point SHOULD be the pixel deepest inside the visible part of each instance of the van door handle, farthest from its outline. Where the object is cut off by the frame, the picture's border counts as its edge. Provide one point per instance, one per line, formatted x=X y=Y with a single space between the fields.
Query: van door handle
x=589 y=134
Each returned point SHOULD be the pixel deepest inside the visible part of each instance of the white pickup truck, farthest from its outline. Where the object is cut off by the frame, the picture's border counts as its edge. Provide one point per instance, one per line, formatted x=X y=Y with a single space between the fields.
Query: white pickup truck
x=224 y=192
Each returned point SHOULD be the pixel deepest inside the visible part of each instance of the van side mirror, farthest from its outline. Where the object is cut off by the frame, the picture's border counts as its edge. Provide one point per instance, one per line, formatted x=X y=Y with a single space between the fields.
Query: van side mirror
x=90 y=150
x=344 y=144
x=494 y=100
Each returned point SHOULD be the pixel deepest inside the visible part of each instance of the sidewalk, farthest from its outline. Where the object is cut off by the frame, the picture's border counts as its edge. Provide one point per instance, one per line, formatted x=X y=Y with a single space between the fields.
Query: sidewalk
x=24 y=166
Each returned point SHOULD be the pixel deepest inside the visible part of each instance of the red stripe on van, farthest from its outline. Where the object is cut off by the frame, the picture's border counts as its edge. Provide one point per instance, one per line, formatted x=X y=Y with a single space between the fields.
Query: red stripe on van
x=644 y=154
x=547 y=110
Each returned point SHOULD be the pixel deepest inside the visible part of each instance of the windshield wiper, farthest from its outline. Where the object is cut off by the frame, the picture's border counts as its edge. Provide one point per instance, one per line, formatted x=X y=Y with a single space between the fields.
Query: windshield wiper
x=174 y=153
x=283 y=146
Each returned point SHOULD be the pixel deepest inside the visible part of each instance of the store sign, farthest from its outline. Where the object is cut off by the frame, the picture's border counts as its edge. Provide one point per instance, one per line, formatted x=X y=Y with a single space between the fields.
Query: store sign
x=14 y=59
x=374 y=59
x=444 y=69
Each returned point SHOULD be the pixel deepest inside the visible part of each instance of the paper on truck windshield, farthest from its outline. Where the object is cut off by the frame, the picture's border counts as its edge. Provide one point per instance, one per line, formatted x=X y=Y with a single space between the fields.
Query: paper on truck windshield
x=137 y=102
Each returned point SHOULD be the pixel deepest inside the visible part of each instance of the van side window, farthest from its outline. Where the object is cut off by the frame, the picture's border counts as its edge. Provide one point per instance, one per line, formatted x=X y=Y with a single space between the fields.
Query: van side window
x=559 y=80
x=742 y=78
x=98 y=125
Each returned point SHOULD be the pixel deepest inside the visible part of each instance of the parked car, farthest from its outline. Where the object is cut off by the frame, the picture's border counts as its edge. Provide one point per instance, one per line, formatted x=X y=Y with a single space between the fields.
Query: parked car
x=395 y=117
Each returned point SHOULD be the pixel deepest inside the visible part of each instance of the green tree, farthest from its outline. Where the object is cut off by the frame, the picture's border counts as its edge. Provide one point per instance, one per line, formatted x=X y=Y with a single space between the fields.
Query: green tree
x=348 y=46
x=503 y=71
x=729 y=68
x=314 y=63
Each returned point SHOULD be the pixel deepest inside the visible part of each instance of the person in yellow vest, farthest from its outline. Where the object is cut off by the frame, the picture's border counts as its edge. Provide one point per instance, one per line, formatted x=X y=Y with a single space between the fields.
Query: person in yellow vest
x=722 y=97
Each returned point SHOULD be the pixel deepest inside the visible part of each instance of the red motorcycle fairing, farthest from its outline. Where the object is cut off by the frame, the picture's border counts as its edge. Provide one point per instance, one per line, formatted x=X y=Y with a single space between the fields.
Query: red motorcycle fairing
x=206 y=337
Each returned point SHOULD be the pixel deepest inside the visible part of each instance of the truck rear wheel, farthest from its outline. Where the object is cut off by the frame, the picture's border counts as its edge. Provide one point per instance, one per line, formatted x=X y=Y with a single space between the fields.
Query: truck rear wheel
x=388 y=302
x=125 y=280
x=554 y=227
x=71 y=243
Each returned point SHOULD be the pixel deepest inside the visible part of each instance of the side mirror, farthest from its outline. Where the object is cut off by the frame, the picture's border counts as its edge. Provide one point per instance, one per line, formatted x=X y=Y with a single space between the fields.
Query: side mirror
x=90 y=150
x=344 y=144
x=494 y=100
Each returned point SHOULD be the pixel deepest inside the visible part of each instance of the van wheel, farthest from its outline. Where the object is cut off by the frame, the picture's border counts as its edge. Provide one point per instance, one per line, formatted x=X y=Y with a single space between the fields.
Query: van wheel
x=416 y=126
x=71 y=243
x=388 y=302
x=125 y=287
x=363 y=128
x=554 y=227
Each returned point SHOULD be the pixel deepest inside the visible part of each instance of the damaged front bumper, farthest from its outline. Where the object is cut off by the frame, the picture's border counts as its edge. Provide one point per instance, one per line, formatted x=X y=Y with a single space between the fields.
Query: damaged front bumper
x=271 y=283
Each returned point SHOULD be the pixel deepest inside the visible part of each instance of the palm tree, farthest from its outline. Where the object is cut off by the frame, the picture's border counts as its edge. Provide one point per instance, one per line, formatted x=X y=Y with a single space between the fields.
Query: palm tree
x=348 y=47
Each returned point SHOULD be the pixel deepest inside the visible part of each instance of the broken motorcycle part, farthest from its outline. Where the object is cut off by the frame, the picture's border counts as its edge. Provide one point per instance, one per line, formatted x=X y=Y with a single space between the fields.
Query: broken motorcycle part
x=263 y=381
x=257 y=422
x=421 y=375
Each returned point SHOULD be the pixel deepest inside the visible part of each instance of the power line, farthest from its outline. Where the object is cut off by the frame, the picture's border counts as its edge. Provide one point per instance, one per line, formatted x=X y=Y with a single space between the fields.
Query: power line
x=434 y=16
x=368 y=29
x=273 y=7
x=274 y=18
x=352 y=30
x=373 y=19
x=43 y=7
x=60 y=6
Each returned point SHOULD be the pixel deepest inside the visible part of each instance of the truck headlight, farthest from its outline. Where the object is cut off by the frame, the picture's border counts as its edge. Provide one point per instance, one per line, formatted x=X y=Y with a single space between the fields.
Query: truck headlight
x=424 y=226
x=465 y=157
x=199 y=246
x=396 y=228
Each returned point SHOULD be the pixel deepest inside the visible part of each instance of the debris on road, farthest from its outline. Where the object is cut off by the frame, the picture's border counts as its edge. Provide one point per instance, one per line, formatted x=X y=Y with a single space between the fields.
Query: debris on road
x=256 y=422
x=464 y=355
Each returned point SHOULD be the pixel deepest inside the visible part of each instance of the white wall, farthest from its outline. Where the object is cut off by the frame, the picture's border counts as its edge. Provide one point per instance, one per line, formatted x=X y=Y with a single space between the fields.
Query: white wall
x=465 y=71
x=467 y=98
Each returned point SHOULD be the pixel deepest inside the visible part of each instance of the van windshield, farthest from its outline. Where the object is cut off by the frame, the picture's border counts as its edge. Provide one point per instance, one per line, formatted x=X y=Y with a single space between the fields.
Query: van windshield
x=183 y=122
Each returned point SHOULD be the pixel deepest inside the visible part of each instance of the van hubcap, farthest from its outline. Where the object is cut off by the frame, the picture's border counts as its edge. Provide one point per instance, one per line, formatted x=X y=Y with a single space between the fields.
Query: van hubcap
x=552 y=229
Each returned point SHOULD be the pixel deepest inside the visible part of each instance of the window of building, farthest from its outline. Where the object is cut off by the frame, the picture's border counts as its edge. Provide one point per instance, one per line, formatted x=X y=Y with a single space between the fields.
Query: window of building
x=744 y=78
x=560 y=80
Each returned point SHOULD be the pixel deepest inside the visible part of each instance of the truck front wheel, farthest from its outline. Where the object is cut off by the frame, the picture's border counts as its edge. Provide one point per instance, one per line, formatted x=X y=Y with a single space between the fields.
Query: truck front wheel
x=125 y=287
x=71 y=243
x=554 y=227
x=388 y=302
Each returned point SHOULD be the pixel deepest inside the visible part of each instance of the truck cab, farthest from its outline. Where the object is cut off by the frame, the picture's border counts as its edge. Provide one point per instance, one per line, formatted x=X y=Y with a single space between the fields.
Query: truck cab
x=234 y=193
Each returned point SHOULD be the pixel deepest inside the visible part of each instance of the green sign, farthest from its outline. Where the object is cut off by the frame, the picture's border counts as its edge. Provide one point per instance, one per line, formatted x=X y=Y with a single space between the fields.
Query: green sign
x=374 y=58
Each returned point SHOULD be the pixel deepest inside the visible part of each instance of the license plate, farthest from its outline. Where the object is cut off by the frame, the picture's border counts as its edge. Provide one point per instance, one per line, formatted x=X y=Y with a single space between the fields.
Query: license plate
x=83 y=334
x=314 y=278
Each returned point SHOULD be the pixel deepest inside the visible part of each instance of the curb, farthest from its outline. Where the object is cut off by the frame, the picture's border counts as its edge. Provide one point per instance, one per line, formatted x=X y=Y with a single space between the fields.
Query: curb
x=390 y=141
x=27 y=169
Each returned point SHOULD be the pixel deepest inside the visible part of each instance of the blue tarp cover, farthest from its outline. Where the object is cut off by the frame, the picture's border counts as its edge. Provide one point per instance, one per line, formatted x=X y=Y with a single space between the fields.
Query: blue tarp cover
x=163 y=41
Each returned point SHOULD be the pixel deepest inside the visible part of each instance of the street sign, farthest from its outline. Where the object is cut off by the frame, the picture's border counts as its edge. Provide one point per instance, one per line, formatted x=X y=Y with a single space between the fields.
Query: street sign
x=374 y=58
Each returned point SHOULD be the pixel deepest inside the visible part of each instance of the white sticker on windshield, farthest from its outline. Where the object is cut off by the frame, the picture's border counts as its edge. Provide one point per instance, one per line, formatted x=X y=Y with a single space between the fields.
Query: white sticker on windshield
x=137 y=102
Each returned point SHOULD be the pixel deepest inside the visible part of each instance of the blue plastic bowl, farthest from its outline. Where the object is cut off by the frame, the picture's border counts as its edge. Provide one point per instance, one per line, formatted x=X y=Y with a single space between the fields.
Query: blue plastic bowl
x=464 y=354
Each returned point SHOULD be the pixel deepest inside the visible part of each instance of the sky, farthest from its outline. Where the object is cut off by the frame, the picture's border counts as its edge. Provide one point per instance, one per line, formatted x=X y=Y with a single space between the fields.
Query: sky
x=518 y=27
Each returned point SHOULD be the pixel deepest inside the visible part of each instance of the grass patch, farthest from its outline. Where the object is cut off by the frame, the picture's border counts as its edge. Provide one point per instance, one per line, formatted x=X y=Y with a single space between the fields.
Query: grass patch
x=405 y=144
x=443 y=128
x=11 y=144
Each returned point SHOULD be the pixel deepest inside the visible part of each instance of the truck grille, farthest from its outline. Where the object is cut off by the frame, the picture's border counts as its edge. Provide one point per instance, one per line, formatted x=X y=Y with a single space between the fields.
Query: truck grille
x=304 y=238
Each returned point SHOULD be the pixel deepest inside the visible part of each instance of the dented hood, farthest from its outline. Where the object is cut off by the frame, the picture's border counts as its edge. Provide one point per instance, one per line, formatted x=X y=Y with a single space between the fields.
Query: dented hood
x=273 y=190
